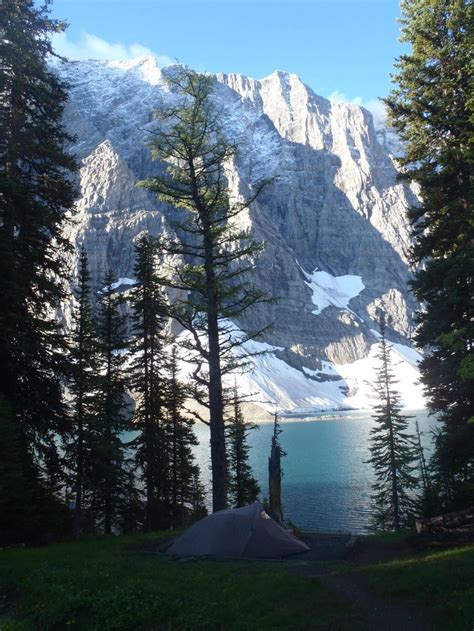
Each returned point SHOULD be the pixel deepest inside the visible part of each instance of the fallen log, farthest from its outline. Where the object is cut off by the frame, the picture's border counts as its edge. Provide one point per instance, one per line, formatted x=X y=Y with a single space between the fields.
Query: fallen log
x=440 y=540
x=448 y=522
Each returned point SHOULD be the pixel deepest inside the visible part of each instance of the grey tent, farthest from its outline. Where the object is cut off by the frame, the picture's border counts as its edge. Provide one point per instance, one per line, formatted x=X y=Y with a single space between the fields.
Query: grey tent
x=246 y=532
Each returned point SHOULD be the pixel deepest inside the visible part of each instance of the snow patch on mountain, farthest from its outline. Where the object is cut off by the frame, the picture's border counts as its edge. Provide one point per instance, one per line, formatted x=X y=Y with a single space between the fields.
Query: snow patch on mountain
x=146 y=67
x=281 y=386
x=121 y=282
x=332 y=290
x=360 y=377
x=272 y=384
x=409 y=354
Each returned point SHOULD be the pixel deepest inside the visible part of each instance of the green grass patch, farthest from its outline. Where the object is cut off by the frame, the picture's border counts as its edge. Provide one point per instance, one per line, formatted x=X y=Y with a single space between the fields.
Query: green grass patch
x=112 y=584
x=442 y=581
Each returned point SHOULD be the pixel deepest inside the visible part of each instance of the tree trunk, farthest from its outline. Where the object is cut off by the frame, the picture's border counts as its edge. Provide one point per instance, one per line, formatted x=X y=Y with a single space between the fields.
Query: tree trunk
x=218 y=453
x=108 y=421
x=274 y=484
x=149 y=464
x=79 y=484
x=174 y=490
x=216 y=404
x=148 y=524
x=80 y=451
x=393 y=462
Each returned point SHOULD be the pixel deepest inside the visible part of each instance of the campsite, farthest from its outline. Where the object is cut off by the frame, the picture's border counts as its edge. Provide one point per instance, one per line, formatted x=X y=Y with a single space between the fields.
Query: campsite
x=123 y=583
x=242 y=533
x=236 y=315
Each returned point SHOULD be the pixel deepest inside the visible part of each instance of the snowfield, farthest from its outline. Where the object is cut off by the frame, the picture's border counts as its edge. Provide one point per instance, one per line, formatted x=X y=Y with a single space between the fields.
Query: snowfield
x=282 y=387
x=272 y=384
x=332 y=290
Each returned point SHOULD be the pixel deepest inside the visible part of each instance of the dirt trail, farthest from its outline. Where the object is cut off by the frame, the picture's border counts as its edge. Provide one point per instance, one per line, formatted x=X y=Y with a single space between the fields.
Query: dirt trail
x=376 y=613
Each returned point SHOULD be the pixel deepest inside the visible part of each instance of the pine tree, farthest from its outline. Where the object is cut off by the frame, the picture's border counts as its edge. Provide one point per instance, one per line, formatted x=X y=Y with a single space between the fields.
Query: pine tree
x=183 y=471
x=35 y=192
x=432 y=109
x=110 y=474
x=217 y=256
x=148 y=381
x=84 y=376
x=391 y=449
x=243 y=487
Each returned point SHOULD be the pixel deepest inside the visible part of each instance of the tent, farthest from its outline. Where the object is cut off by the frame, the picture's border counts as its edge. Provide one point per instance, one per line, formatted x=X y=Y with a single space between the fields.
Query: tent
x=246 y=532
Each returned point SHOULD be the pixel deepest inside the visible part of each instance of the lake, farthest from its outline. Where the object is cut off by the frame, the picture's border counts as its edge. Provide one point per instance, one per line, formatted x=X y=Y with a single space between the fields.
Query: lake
x=326 y=484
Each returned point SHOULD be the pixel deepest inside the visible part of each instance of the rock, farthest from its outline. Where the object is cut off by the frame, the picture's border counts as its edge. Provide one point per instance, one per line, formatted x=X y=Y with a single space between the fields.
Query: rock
x=335 y=207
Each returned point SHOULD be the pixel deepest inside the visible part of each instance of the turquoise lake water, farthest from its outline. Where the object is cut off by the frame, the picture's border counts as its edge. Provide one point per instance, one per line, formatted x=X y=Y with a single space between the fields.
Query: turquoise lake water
x=326 y=484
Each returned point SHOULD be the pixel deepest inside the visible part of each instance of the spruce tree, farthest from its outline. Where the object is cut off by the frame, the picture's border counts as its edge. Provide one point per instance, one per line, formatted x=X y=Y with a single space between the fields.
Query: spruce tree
x=183 y=471
x=148 y=381
x=391 y=448
x=217 y=257
x=29 y=511
x=431 y=107
x=130 y=505
x=243 y=488
x=110 y=474
x=198 y=508
x=35 y=193
x=17 y=482
x=84 y=369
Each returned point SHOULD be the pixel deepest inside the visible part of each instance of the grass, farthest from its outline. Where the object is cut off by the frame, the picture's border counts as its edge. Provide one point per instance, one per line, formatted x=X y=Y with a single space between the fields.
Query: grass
x=110 y=583
x=441 y=582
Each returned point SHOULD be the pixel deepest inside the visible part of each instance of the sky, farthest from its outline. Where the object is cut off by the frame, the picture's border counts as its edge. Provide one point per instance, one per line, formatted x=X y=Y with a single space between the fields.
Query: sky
x=342 y=49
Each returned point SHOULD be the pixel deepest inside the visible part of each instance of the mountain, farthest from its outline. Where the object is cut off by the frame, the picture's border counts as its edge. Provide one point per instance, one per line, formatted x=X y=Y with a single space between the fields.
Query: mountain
x=333 y=219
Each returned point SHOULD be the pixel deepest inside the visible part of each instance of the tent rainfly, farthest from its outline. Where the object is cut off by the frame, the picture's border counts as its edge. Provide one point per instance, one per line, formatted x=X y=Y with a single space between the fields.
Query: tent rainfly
x=246 y=533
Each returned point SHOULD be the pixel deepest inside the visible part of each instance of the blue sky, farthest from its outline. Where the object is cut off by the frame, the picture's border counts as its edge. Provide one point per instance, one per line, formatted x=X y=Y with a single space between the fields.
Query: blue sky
x=341 y=48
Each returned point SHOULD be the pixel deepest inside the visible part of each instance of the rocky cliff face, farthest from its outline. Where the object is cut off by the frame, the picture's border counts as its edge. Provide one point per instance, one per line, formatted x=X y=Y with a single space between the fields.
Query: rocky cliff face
x=333 y=219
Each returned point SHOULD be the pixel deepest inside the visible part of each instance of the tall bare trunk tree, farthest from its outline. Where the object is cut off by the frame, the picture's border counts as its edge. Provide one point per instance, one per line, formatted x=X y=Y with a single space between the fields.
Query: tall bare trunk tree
x=275 y=474
x=218 y=256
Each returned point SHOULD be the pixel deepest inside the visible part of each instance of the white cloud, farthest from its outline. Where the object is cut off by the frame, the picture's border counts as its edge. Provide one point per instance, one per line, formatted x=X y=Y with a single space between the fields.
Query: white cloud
x=89 y=46
x=341 y=97
x=375 y=106
x=378 y=110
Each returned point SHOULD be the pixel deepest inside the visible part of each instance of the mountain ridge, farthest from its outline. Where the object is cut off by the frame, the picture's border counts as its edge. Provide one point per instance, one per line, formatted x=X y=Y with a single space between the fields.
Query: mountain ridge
x=335 y=211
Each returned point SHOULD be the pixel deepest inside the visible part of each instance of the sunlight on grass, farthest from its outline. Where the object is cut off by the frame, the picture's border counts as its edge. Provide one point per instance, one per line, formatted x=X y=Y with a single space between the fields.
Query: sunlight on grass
x=441 y=580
